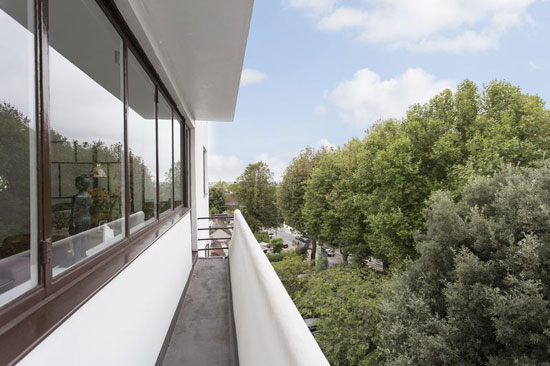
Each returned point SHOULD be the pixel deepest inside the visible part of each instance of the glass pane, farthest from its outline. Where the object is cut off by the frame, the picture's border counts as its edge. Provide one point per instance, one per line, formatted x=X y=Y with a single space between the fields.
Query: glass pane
x=178 y=165
x=142 y=145
x=165 y=155
x=18 y=236
x=87 y=132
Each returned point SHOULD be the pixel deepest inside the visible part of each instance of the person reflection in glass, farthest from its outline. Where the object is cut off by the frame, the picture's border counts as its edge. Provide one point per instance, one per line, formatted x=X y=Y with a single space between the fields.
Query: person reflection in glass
x=81 y=218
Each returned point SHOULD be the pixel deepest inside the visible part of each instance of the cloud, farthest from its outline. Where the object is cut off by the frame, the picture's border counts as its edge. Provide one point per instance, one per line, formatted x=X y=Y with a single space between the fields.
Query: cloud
x=313 y=7
x=454 y=26
x=366 y=97
x=320 y=110
x=225 y=168
x=533 y=65
x=326 y=144
x=251 y=76
x=276 y=165
x=344 y=17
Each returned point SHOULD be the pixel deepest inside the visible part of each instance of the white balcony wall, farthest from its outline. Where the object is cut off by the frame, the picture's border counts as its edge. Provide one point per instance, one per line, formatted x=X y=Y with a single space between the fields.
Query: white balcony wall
x=269 y=328
x=126 y=322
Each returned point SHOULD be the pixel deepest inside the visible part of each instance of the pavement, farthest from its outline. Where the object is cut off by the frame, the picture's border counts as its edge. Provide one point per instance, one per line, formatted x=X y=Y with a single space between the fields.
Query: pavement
x=288 y=237
x=203 y=333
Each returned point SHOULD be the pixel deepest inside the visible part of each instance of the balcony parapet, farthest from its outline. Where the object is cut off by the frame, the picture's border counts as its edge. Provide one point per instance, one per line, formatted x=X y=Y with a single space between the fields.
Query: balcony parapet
x=269 y=327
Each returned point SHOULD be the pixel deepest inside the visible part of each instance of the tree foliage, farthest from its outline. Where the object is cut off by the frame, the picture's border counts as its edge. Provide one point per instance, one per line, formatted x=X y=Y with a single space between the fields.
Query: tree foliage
x=369 y=197
x=216 y=199
x=479 y=293
x=256 y=191
x=291 y=194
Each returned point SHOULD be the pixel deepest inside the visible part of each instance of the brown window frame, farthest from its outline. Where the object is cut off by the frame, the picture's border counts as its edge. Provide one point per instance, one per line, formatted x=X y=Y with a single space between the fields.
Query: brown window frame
x=29 y=318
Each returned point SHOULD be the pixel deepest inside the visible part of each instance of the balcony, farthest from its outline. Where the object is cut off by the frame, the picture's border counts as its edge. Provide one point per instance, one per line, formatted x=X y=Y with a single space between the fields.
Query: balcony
x=236 y=311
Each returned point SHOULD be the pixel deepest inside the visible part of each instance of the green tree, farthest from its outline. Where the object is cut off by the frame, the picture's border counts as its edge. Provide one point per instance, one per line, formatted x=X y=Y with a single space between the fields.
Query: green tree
x=479 y=293
x=291 y=271
x=256 y=191
x=277 y=245
x=345 y=300
x=291 y=193
x=216 y=200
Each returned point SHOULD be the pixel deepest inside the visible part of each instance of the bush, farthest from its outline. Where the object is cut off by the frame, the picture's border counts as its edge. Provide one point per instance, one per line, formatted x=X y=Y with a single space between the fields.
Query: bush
x=302 y=251
x=276 y=257
x=262 y=236
x=277 y=245
x=322 y=263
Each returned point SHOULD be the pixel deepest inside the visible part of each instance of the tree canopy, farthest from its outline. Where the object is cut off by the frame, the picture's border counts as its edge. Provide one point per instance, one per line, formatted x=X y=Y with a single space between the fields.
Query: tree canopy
x=479 y=293
x=256 y=191
x=216 y=199
x=368 y=197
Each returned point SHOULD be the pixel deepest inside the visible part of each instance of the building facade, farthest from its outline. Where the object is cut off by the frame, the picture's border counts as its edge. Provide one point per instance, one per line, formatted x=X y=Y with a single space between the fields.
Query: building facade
x=103 y=179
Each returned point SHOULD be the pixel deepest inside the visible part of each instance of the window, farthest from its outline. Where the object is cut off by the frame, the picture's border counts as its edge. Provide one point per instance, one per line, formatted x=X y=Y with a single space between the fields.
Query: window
x=178 y=164
x=165 y=155
x=112 y=153
x=141 y=143
x=204 y=170
x=86 y=132
x=18 y=180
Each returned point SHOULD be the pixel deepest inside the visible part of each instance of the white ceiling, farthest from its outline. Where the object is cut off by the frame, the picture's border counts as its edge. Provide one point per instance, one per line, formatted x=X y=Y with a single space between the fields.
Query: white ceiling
x=197 y=46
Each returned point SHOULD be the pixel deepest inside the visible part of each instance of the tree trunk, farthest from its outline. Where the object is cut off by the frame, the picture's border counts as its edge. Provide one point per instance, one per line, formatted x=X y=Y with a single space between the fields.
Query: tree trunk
x=313 y=250
x=345 y=255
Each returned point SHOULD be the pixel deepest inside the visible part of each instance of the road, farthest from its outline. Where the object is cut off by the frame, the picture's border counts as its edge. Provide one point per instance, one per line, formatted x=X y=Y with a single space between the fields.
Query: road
x=288 y=238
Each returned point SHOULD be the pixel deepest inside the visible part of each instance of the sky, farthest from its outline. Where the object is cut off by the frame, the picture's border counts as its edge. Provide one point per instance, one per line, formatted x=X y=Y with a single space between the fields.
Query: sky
x=320 y=72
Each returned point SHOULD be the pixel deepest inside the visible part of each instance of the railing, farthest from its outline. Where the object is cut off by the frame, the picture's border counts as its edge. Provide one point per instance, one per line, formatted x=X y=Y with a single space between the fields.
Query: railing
x=209 y=247
x=269 y=327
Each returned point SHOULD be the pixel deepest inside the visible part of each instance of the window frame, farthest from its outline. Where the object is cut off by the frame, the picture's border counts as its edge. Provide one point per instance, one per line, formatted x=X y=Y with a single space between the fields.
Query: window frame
x=32 y=316
x=204 y=171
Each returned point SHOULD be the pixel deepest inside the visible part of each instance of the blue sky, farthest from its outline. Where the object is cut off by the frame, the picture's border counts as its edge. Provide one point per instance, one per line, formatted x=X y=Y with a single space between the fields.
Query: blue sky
x=319 y=72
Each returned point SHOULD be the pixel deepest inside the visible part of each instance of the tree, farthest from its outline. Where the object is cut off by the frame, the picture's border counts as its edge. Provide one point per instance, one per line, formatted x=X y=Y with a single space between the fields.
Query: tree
x=345 y=300
x=277 y=245
x=292 y=190
x=256 y=191
x=479 y=293
x=216 y=200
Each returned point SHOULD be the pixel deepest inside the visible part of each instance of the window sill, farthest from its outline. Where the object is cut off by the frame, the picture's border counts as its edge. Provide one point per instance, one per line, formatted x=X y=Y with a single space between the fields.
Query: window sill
x=31 y=318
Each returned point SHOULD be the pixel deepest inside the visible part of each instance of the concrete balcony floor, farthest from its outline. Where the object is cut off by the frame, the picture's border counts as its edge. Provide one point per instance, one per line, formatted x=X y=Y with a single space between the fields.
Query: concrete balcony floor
x=203 y=333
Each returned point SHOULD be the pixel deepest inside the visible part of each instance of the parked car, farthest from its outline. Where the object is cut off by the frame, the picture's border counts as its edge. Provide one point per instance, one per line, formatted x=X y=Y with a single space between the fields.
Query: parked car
x=328 y=251
x=285 y=245
x=303 y=239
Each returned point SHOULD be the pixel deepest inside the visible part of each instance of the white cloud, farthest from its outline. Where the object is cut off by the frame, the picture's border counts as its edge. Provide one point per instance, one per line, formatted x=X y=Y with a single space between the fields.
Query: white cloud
x=344 y=17
x=251 y=76
x=326 y=144
x=276 y=165
x=313 y=7
x=367 y=98
x=226 y=168
x=454 y=26
x=534 y=65
x=320 y=110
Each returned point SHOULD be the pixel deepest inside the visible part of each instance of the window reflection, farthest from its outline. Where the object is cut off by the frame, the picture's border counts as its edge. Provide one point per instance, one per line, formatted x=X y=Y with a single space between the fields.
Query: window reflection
x=18 y=201
x=178 y=172
x=87 y=132
x=141 y=142
x=165 y=155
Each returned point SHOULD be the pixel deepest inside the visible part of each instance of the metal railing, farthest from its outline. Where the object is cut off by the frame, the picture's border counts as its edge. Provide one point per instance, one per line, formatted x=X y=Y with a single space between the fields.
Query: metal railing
x=209 y=249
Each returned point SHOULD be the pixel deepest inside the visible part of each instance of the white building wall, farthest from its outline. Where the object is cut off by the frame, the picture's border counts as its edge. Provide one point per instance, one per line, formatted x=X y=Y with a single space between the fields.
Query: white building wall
x=201 y=199
x=126 y=322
